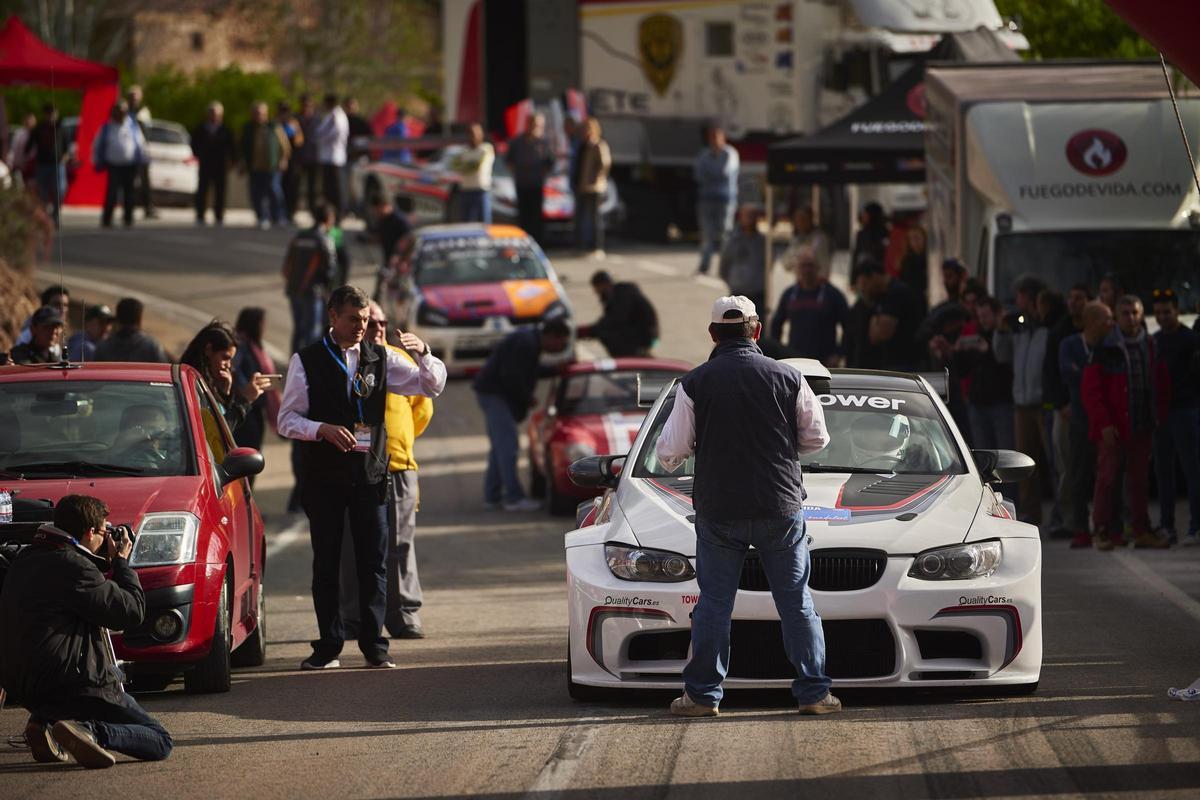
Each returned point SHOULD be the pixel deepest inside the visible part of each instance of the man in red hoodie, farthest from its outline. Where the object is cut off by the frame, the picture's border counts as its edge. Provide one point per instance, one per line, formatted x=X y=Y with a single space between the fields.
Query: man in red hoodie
x=1125 y=389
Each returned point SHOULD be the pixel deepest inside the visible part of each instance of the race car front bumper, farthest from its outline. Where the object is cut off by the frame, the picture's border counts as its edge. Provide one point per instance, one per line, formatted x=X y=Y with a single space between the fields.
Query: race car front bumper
x=899 y=632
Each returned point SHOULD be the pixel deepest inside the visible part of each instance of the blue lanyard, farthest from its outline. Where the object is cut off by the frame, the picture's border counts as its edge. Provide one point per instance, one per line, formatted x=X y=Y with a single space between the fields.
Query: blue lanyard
x=345 y=369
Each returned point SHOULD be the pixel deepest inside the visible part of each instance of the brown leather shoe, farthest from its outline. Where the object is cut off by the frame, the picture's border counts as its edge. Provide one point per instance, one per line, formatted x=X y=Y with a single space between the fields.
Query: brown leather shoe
x=685 y=706
x=1153 y=541
x=82 y=745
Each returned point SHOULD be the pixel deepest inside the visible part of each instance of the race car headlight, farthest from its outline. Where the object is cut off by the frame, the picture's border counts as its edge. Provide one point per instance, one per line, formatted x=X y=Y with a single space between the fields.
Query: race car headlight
x=432 y=316
x=165 y=539
x=961 y=562
x=641 y=564
x=555 y=310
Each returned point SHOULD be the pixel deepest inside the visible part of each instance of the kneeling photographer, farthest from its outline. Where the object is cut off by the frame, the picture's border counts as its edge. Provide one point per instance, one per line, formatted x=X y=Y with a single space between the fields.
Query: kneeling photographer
x=56 y=658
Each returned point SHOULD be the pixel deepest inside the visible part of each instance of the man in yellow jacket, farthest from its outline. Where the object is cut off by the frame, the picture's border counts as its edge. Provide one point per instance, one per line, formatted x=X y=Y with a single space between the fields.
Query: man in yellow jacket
x=405 y=418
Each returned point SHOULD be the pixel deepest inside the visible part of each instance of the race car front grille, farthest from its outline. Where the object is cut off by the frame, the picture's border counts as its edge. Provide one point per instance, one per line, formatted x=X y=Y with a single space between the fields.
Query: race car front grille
x=855 y=648
x=832 y=571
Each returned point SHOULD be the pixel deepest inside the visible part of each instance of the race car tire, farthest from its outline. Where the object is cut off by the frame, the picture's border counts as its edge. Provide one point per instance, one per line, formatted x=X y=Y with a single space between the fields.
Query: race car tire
x=212 y=674
x=537 y=480
x=579 y=691
x=253 y=651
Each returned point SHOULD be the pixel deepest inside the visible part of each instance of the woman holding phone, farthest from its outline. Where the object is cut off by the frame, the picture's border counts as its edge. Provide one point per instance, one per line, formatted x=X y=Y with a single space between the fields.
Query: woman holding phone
x=211 y=352
x=252 y=360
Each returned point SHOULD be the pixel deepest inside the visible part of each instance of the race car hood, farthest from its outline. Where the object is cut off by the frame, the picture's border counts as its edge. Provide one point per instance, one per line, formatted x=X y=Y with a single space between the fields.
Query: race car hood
x=471 y=301
x=611 y=433
x=128 y=499
x=901 y=514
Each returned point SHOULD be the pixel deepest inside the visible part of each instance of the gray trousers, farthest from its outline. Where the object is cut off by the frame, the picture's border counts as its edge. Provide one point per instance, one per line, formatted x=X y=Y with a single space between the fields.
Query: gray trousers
x=403 y=585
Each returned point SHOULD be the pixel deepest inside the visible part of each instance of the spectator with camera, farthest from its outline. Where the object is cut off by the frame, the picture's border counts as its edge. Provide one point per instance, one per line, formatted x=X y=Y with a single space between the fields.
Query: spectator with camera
x=56 y=657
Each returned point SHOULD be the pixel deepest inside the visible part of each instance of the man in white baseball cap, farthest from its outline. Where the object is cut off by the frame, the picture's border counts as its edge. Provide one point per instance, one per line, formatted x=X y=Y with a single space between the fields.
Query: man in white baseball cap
x=748 y=419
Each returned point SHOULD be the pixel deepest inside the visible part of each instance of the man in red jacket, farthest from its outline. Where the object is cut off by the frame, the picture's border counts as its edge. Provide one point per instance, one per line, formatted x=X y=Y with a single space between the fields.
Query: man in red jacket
x=1125 y=389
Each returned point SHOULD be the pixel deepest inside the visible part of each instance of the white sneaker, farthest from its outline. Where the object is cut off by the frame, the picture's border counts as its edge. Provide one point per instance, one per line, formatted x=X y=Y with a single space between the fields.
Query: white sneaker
x=524 y=504
x=685 y=706
x=1191 y=540
x=264 y=226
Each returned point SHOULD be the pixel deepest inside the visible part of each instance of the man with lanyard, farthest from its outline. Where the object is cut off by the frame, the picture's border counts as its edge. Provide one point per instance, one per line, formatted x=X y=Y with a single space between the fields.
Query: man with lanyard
x=747 y=419
x=405 y=418
x=334 y=403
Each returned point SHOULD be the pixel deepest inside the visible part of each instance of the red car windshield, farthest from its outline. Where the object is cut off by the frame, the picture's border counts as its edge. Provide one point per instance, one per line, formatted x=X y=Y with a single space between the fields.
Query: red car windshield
x=91 y=429
x=605 y=392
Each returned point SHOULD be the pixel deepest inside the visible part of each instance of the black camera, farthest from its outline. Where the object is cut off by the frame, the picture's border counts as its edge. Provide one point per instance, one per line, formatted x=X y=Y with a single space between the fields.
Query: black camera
x=120 y=534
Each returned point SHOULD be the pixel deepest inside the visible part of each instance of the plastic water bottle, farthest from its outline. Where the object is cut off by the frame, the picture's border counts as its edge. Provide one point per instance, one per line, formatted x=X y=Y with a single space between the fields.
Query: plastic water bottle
x=6 y=507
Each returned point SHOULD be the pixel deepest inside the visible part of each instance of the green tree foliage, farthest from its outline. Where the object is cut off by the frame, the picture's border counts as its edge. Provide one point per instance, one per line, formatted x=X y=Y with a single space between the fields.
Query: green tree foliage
x=172 y=95
x=1075 y=29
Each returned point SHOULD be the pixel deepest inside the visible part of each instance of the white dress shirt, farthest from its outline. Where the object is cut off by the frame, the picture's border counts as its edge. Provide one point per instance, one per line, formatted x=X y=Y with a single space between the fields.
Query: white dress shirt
x=333 y=134
x=427 y=377
x=678 y=438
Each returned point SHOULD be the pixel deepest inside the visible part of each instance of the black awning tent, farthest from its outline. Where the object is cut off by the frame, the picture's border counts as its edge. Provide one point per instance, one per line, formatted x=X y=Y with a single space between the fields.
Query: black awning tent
x=883 y=141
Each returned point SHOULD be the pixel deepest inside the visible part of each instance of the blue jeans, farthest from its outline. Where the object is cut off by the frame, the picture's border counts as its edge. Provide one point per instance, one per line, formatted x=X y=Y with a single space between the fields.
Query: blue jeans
x=1178 y=437
x=715 y=218
x=992 y=427
x=501 y=475
x=266 y=197
x=308 y=312
x=720 y=550
x=475 y=205
x=123 y=727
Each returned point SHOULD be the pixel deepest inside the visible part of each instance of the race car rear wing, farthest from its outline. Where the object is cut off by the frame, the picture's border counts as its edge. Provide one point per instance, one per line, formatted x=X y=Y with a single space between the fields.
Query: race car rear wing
x=648 y=392
x=939 y=382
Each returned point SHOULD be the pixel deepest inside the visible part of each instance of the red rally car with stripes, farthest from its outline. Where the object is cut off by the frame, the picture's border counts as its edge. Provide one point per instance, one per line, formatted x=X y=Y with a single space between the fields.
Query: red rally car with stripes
x=592 y=408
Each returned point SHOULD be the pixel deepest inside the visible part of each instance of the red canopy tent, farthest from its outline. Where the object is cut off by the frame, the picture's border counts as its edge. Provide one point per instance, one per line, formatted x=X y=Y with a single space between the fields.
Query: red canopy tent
x=26 y=59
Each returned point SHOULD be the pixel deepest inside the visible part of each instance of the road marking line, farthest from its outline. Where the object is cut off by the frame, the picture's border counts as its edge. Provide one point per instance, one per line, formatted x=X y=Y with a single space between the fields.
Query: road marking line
x=560 y=768
x=1181 y=599
x=287 y=537
x=709 y=280
x=178 y=309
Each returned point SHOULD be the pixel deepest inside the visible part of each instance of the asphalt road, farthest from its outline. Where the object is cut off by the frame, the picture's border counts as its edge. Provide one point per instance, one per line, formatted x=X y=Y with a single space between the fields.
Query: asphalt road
x=479 y=708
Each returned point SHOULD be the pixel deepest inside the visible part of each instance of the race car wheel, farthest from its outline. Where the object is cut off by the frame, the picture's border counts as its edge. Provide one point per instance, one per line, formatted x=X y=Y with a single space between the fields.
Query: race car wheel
x=537 y=480
x=253 y=651
x=212 y=675
x=579 y=691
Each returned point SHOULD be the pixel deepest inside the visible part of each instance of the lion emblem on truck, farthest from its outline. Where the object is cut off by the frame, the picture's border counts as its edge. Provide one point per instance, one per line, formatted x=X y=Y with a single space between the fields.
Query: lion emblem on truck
x=660 y=43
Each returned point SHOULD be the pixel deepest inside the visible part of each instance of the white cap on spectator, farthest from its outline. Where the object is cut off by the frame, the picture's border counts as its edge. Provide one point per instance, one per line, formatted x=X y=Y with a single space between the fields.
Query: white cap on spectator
x=733 y=309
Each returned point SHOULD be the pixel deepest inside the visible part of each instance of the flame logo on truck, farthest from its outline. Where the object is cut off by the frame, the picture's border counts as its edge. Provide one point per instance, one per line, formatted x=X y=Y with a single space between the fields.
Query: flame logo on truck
x=1096 y=152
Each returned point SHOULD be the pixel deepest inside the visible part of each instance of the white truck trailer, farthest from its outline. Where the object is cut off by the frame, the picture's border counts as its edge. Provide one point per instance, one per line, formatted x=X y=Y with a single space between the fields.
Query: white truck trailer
x=1065 y=171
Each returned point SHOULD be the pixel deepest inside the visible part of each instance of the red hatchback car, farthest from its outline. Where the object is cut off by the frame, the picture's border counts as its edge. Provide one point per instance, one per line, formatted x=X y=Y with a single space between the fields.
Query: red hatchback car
x=591 y=409
x=150 y=441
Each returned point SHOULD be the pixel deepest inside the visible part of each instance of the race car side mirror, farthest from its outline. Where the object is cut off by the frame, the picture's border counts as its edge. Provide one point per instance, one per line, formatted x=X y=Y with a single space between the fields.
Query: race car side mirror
x=596 y=472
x=1003 y=466
x=242 y=462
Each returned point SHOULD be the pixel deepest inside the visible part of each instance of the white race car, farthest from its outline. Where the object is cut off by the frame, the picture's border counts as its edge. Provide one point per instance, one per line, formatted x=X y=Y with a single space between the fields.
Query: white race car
x=920 y=571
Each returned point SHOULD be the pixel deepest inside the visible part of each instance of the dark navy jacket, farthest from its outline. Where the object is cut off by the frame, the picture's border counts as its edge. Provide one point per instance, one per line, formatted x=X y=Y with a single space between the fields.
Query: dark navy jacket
x=747 y=464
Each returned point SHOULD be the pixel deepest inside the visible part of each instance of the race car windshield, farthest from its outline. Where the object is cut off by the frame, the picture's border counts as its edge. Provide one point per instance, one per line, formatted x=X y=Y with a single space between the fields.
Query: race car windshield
x=461 y=261
x=604 y=392
x=870 y=430
x=91 y=429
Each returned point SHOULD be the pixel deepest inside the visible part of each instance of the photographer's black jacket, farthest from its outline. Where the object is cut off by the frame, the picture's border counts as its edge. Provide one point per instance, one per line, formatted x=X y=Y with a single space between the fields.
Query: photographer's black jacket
x=53 y=607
